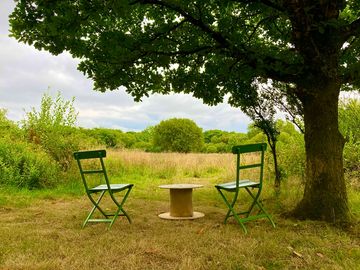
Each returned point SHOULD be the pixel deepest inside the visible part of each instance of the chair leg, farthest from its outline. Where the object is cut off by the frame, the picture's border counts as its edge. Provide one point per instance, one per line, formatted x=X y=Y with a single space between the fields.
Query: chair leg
x=255 y=198
x=120 y=206
x=232 y=210
x=262 y=209
x=96 y=206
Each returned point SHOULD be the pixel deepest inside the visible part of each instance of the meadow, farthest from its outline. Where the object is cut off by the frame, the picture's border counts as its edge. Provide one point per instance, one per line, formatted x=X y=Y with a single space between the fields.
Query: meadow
x=41 y=228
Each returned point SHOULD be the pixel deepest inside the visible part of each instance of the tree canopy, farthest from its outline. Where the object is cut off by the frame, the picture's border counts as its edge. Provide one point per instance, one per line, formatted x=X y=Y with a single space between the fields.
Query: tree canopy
x=208 y=48
x=216 y=48
x=178 y=135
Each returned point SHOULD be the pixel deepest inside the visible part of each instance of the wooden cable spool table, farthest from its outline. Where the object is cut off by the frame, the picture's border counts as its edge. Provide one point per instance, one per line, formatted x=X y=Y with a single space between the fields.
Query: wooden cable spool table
x=181 y=202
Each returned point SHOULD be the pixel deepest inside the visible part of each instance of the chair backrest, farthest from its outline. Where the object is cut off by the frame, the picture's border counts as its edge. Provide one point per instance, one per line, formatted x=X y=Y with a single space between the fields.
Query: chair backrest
x=249 y=148
x=92 y=154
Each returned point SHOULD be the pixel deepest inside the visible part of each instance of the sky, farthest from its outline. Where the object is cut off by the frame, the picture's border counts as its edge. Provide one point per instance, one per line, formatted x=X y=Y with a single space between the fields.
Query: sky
x=26 y=74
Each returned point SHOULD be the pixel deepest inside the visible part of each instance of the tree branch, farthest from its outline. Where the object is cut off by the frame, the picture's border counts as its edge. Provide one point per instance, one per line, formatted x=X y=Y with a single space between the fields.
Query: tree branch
x=272 y=5
x=172 y=28
x=257 y=26
x=267 y=3
x=188 y=52
x=352 y=74
x=238 y=51
x=217 y=36
x=353 y=29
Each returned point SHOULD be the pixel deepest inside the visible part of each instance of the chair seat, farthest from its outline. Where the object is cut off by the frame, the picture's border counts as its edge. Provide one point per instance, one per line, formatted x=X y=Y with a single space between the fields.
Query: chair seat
x=114 y=187
x=232 y=185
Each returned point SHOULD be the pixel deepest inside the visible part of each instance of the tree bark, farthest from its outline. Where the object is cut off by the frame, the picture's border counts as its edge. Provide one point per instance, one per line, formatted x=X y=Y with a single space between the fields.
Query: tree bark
x=277 y=182
x=325 y=196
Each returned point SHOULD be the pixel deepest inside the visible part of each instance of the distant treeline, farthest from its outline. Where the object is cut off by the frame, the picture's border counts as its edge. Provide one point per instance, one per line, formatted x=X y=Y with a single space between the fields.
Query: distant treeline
x=37 y=150
x=213 y=141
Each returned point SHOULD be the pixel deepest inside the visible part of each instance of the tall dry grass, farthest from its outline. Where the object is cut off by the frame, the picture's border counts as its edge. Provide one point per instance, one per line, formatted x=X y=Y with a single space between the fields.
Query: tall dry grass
x=149 y=170
x=177 y=165
x=167 y=165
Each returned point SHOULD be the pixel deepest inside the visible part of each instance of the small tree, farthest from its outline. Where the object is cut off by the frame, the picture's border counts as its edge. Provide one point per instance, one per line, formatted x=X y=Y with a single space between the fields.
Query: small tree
x=51 y=128
x=258 y=102
x=54 y=115
x=178 y=135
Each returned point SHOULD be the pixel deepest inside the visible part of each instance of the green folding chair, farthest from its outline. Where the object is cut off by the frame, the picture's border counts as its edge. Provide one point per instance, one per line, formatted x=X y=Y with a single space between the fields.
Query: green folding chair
x=253 y=188
x=99 y=191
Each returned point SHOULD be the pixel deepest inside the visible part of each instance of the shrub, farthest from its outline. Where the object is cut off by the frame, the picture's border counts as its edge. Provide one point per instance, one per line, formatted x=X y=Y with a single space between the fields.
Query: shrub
x=352 y=155
x=21 y=164
x=222 y=141
x=128 y=139
x=146 y=146
x=24 y=166
x=349 y=118
x=213 y=135
x=222 y=147
x=178 y=135
x=8 y=128
x=211 y=148
x=349 y=123
x=291 y=150
x=53 y=127
x=85 y=139
x=107 y=137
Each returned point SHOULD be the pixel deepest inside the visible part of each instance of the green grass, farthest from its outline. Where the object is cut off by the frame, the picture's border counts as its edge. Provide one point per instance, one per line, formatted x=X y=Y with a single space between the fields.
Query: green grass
x=42 y=229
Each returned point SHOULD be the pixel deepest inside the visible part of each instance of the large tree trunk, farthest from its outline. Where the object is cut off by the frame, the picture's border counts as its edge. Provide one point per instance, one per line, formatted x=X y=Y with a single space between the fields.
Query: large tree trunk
x=325 y=195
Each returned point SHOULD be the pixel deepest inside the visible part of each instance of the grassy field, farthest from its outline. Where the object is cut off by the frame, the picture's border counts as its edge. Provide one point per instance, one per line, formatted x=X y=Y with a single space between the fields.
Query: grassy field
x=42 y=229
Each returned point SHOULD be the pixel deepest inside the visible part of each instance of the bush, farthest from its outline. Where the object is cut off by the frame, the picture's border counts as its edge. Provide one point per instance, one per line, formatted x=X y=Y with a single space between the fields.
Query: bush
x=211 y=148
x=8 y=128
x=140 y=140
x=352 y=155
x=349 y=119
x=53 y=127
x=213 y=135
x=178 y=135
x=349 y=123
x=107 y=137
x=21 y=164
x=24 y=166
x=222 y=141
x=291 y=150
x=145 y=146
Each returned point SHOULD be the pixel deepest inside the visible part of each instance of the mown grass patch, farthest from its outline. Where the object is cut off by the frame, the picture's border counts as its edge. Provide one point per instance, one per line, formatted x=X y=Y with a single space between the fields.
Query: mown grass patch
x=41 y=229
x=47 y=234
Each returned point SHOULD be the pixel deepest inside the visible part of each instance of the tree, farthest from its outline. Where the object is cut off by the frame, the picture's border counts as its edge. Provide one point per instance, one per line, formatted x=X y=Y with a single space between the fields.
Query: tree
x=209 y=135
x=178 y=135
x=261 y=109
x=52 y=126
x=215 y=48
x=107 y=137
x=54 y=115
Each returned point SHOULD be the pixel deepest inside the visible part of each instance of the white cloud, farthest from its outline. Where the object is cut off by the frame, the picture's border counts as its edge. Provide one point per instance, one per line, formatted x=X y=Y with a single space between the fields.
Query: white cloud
x=26 y=73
